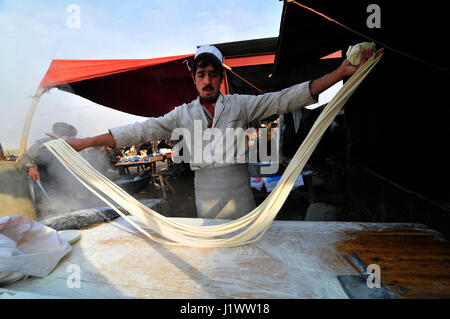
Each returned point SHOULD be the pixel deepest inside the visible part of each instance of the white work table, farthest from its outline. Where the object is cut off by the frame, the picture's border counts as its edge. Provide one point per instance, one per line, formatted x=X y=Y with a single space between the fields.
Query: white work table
x=294 y=259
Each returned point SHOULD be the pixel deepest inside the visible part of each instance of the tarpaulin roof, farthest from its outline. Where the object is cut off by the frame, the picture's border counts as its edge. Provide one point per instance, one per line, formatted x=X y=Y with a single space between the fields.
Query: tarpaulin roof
x=145 y=87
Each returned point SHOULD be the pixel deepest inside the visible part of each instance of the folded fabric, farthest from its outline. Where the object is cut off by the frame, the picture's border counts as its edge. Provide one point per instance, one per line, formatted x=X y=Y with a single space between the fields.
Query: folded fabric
x=28 y=248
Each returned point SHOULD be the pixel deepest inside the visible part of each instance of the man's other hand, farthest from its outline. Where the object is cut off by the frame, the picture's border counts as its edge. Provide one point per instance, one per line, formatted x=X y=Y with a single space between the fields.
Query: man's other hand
x=78 y=144
x=34 y=174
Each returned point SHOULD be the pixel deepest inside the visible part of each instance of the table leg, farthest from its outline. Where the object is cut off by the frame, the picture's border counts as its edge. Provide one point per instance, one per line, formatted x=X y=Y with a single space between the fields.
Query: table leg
x=163 y=187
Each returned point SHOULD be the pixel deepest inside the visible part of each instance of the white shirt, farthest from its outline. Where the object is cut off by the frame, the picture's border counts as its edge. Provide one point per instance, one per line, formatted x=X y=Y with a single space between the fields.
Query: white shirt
x=231 y=111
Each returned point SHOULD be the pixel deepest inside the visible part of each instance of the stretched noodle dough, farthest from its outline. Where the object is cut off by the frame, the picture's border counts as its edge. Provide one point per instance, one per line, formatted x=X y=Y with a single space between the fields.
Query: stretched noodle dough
x=244 y=230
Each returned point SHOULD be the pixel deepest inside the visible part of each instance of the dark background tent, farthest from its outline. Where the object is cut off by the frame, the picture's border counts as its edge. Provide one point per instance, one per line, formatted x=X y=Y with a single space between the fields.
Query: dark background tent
x=396 y=124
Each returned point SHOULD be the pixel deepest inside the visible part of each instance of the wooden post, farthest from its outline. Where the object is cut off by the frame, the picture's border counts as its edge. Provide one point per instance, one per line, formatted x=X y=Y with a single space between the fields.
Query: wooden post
x=26 y=127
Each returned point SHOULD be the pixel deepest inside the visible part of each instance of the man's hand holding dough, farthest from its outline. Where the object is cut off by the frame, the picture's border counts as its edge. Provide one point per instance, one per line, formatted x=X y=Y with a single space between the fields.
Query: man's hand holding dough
x=357 y=55
x=33 y=173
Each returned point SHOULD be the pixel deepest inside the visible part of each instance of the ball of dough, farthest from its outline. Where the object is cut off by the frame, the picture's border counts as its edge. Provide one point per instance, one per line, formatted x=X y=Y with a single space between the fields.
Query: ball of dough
x=354 y=52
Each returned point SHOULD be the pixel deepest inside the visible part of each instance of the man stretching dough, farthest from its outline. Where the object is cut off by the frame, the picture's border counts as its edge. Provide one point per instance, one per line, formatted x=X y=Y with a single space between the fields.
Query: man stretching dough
x=222 y=190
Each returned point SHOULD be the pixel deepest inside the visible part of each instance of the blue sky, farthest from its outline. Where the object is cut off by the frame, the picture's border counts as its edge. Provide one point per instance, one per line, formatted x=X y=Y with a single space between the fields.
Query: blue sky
x=32 y=33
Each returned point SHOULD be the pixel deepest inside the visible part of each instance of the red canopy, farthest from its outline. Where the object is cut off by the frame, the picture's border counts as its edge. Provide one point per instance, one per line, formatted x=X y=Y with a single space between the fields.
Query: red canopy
x=145 y=87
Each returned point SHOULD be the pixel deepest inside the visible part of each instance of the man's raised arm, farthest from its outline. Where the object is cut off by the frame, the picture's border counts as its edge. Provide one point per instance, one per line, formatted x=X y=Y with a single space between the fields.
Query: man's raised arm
x=297 y=96
x=131 y=134
x=319 y=85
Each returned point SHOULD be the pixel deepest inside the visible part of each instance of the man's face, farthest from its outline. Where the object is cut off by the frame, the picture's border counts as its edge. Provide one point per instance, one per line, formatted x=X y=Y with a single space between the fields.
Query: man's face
x=207 y=81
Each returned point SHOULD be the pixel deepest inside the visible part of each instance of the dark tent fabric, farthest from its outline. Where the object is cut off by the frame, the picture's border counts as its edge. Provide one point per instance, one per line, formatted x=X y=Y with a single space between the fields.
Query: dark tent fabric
x=144 y=87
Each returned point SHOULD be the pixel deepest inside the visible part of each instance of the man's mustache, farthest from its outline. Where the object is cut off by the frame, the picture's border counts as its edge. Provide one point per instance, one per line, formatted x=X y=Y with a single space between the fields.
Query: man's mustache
x=208 y=87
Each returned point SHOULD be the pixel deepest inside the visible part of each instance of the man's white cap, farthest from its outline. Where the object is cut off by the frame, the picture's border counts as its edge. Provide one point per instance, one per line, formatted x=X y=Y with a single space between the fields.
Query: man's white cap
x=209 y=49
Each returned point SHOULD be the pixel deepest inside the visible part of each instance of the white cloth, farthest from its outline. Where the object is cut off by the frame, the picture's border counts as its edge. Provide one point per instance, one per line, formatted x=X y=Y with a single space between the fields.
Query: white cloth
x=28 y=248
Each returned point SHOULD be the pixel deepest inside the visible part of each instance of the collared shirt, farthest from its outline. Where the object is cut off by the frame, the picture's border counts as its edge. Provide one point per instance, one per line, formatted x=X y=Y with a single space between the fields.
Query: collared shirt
x=209 y=112
x=231 y=111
